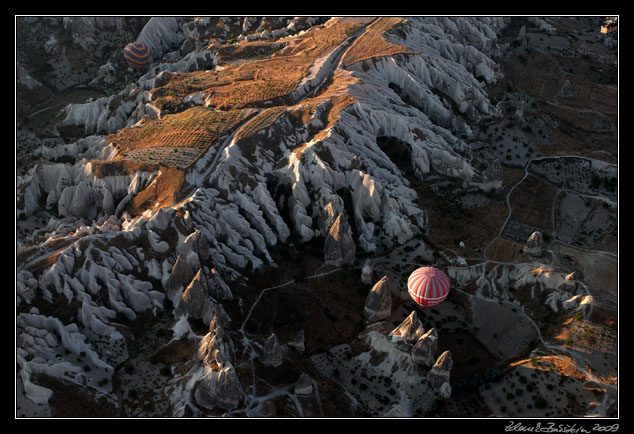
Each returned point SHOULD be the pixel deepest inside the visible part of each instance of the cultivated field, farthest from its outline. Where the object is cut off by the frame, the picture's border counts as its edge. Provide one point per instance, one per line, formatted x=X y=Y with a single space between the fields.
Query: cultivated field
x=175 y=140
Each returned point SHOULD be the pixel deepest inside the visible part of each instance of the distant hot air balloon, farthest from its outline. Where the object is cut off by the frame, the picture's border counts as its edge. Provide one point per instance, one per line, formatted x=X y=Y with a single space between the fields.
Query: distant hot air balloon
x=428 y=286
x=137 y=54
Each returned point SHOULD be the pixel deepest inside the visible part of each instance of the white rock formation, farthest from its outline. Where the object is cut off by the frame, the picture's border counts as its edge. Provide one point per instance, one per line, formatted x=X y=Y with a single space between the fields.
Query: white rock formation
x=578 y=302
x=181 y=274
x=535 y=244
x=339 y=247
x=160 y=34
x=367 y=273
x=424 y=350
x=76 y=191
x=304 y=385
x=441 y=371
x=218 y=388
x=272 y=354
x=214 y=349
x=378 y=303
x=491 y=178
x=409 y=331
x=298 y=342
x=194 y=297
x=445 y=390
x=570 y=282
x=541 y=24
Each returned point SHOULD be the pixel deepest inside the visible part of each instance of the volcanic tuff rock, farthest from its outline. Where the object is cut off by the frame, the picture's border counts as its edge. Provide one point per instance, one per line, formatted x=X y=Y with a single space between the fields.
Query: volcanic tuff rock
x=328 y=207
x=298 y=342
x=378 y=304
x=217 y=287
x=160 y=34
x=578 y=302
x=409 y=331
x=383 y=206
x=441 y=371
x=75 y=191
x=219 y=388
x=367 y=273
x=194 y=297
x=534 y=244
x=445 y=390
x=304 y=385
x=214 y=349
x=181 y=274
x=339 y=247
x=194 y=248
x=570 y=282
x=424 y=350
x=492 y=177
x=272 y=354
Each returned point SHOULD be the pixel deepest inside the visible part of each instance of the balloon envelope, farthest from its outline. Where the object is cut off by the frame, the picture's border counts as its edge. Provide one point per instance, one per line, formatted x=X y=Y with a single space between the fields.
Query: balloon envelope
x=428 y=286
x=136 y=54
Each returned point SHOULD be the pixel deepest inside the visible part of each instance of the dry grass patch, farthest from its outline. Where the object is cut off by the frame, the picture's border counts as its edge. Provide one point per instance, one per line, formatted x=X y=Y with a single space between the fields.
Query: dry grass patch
x=253 y=82
x=245 y=50
x=538 y=75
x=532 y=203
x=586 y=94
x=72 y=401
x=175 y=140
x=262 y=120
x=505 y=250
x=196 y=128
x=373 y=44
x=320 y=40
x=164 y=190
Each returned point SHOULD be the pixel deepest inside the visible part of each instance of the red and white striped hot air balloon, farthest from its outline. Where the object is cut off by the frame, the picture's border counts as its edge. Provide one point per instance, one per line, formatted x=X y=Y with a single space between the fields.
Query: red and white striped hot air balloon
x=428 y=286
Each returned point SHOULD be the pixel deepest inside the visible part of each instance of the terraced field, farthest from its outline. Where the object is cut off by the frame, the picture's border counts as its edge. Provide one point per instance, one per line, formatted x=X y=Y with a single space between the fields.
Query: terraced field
x=241 y=83
x=257 y=82
x=373 y=44
x=175 y=140
x=259 y=122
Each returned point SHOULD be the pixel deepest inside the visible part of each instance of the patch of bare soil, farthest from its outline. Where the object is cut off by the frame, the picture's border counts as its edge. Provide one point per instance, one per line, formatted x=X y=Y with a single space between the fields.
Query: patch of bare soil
x=328 y=308
x=176 y=352
x=536 y=74
x=505 y=250
x=451 y=223
x=164 y=190
x=572 y=94
x=194 y=128
x=532 y=203
x=73 y=401
x=469 y=355
x=373 y=44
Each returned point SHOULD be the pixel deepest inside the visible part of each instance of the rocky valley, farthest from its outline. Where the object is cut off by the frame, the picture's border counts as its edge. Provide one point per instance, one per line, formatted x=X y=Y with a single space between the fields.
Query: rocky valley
x=228 y=231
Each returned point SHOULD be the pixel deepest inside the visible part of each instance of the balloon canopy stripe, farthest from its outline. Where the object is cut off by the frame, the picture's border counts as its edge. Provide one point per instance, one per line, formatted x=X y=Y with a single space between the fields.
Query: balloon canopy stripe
x=428 y=286
x=137 y=57
x=136 y=54
x=138 y=48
